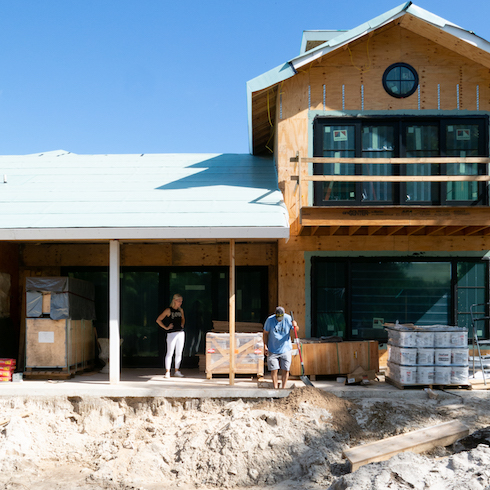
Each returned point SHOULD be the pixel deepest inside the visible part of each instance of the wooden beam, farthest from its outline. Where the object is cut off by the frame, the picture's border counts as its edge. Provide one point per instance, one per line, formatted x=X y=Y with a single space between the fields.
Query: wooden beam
x=471 y=230
x=453 y=230
x=394 y=216
x=353 y=229
x=397 y=178
x=432 y=230
x=417 y=441
x=373 y=229
x=411 y=230
x=393 y=229
x=314 y=230
x=395 y=161
x=333 y=229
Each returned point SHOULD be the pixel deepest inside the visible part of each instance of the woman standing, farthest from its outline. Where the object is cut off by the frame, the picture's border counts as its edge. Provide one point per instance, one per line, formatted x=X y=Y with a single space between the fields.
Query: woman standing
x=172 y=320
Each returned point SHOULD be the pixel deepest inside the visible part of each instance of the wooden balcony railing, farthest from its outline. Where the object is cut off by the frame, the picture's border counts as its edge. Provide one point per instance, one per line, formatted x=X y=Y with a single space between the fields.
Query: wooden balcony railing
x=407 y=218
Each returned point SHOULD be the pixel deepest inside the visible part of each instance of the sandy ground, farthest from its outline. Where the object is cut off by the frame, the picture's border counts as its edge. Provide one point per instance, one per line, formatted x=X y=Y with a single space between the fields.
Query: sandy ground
x=74 y=443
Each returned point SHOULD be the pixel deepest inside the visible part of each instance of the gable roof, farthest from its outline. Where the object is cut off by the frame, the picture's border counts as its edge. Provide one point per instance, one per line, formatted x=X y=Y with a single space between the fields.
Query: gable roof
x=407 y=15
x=63 y=196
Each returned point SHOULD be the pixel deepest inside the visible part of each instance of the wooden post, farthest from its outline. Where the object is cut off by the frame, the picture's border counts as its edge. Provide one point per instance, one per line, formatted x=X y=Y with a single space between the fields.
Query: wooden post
x=114 y=291
x=232 y=312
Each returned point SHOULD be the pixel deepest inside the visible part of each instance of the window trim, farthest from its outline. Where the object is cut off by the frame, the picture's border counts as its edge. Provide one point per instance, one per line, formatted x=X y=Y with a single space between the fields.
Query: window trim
x=415 y=81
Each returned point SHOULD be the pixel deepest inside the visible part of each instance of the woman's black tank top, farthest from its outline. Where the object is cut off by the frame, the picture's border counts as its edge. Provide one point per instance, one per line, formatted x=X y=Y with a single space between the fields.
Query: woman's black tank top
x=175 y=317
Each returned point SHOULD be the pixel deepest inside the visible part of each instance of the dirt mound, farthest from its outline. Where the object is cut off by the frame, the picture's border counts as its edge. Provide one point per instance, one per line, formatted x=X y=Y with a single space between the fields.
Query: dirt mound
x=307 y=396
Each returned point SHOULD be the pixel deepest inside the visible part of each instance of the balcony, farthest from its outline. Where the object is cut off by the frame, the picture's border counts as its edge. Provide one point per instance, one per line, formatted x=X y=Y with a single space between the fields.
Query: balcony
x=376 y=218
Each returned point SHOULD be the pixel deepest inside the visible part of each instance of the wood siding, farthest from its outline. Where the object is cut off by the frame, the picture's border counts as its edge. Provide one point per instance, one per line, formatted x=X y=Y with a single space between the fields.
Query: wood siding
x=350 y=79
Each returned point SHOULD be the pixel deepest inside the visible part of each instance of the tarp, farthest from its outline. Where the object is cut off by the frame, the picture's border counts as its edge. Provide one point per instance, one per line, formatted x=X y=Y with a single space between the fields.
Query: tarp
x=70 y=298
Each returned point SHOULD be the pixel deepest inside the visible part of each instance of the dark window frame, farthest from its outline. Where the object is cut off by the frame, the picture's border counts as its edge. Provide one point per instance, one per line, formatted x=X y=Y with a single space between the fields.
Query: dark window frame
x=347 y=267
x=415 y=81
x=399 y=189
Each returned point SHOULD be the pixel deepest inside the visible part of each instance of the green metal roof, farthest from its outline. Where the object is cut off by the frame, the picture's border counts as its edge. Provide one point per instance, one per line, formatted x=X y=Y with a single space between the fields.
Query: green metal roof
x=61 y=195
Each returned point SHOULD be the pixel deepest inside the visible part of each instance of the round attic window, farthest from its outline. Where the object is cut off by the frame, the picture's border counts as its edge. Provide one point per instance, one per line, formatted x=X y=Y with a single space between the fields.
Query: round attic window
x=400 y=80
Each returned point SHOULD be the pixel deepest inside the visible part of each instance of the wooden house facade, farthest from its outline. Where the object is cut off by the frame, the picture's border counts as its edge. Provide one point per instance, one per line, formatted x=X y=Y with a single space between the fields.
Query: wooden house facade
x=380 y=136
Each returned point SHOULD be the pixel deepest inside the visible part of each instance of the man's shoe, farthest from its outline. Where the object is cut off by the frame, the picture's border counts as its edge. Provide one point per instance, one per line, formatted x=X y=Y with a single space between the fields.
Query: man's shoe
x=178 y=374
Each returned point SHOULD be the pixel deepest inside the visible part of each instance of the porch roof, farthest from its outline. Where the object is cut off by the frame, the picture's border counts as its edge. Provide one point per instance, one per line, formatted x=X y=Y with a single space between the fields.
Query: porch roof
x=60 y=195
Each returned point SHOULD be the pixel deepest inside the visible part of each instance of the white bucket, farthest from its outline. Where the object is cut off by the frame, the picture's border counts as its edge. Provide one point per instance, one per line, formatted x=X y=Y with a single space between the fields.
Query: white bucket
x=442 y=339
x=408 y=374
x=425 y=356
x=425 y=339
x=459 y=339
x=442 y=356
x=425 y=375
x=442 y=375
x=408 y=356
x=459 y=375
x=459 y=356
x=407 y=338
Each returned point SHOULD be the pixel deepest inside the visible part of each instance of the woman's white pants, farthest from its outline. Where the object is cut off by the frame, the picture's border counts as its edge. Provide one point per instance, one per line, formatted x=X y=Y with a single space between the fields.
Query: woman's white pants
x=175 y=342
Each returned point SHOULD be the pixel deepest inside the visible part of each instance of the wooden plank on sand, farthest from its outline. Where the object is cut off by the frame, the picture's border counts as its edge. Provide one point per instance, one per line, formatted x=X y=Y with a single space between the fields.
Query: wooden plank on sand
x=416 y=442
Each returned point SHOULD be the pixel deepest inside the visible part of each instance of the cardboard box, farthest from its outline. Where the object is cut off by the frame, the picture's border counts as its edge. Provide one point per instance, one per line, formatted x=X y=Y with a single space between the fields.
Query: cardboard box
x=360 y=375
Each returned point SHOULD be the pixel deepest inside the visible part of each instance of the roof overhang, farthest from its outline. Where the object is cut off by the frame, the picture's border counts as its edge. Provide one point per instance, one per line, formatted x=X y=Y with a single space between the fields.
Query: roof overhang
x=146 y=234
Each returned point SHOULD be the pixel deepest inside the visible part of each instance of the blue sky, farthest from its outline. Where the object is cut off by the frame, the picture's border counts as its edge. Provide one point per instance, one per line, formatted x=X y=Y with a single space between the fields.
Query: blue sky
x=158 y=76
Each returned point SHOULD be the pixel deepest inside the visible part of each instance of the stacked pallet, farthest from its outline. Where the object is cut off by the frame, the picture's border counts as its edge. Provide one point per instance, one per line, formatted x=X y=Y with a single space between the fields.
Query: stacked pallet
x=60 y=338
x=427 y=355
x=7 y=368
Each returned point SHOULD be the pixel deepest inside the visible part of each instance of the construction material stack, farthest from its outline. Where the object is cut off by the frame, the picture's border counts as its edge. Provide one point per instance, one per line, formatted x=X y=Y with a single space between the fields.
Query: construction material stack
x=7 y=368
x=249 y=352
x=60 y=338
x=427 y=355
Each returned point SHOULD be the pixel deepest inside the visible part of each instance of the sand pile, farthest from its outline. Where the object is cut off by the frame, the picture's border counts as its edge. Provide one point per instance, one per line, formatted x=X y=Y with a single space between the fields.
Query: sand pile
x=294 y=442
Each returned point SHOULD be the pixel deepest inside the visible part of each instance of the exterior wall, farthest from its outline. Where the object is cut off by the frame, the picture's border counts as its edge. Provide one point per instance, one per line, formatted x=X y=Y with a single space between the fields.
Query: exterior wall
x=349 y=82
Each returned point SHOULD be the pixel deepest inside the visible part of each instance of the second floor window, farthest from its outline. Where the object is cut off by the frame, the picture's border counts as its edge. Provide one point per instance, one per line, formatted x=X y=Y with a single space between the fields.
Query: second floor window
x=405 y=138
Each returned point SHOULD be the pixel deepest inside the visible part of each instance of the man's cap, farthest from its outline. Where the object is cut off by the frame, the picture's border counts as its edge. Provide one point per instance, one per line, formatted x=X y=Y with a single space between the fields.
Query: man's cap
x=279 y=311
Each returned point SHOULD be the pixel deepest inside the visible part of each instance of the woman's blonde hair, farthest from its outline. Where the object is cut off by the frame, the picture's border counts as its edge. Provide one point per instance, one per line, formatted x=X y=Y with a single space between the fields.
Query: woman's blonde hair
x=174 y=297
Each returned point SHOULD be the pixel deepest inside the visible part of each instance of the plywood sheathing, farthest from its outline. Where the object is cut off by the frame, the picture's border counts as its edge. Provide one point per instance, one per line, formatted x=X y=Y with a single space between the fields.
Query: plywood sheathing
x=162 y=254
x=362 y=63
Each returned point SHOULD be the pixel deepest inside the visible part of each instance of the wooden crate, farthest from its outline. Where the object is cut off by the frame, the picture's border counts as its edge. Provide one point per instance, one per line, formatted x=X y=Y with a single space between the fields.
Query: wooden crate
x=240 y=327
x=324 y=358
x=249 y=352
x=58 y=346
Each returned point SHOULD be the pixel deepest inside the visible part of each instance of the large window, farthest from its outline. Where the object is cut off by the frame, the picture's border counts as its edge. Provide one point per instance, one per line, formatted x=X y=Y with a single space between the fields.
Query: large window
x=147 y=291
x=395 y=137
x=353 y=298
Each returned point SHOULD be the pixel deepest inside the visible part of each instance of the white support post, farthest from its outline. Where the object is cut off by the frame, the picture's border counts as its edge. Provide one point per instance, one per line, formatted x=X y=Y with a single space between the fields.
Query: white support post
x=232 y=312
x=114 y=305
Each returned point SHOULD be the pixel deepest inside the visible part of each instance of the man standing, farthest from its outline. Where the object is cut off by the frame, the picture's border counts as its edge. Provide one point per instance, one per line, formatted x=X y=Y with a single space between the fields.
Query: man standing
x=277 y=345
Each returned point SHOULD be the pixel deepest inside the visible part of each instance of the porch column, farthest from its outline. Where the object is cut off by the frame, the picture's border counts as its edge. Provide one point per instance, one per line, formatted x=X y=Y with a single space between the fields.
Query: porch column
x=114 y=291
x=232 y=312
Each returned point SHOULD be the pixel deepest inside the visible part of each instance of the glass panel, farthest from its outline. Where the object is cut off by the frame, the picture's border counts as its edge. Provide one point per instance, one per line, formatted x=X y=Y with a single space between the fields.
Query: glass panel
x=394 y=74
x=471 y=283
x=410 y=292
x=462 y=141
x=249 y=294
x=422 y=141
x=139 y=308
x=338 y=142
x=377 y=142
x=195 y=287
x=330 y=299
x=406 y=74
